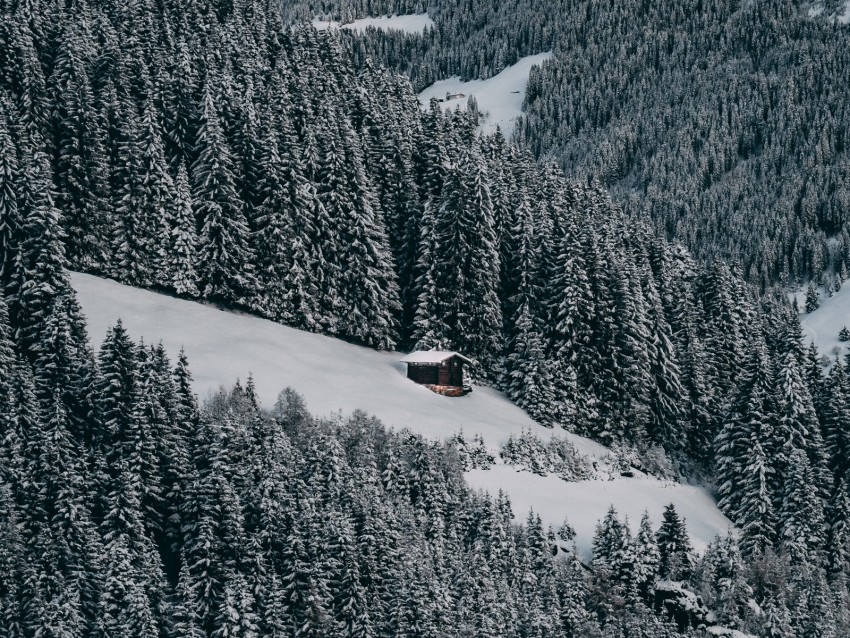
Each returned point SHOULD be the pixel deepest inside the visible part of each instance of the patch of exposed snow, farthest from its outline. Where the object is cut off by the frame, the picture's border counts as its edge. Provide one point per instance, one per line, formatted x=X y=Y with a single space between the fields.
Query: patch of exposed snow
x=414 y=23
x=822 y=326
x=324 y=25
x=431 y=356
x=499 y=98
x=333 y=375
x=725 y=632
x=844 y=16
x=584 y=503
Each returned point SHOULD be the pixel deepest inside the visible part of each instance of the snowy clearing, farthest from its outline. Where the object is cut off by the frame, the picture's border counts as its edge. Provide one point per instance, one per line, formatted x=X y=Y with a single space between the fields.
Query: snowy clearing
x=414 y=23
x=585 y=502
x=822 y=325
x=333 y=375
x=842 y=16
x=499 y=99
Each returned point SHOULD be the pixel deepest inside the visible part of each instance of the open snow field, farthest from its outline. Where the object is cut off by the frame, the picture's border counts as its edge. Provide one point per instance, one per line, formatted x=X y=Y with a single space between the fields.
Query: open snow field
x=499 y=99
x=822 y=325
x=414 y=23
x=842 y=16
x=336 y=376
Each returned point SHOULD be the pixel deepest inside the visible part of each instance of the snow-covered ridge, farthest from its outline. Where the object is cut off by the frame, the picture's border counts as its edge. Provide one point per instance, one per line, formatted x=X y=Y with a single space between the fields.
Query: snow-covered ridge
x=499 y=98
x=414 y=23
x=333 y=375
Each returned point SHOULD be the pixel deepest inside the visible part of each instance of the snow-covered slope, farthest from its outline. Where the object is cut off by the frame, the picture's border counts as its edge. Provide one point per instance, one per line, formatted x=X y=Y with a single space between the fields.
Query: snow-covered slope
x=414 y=23
x=333 y=375
x=822 y=325
x=499 y=99
x=842 y=16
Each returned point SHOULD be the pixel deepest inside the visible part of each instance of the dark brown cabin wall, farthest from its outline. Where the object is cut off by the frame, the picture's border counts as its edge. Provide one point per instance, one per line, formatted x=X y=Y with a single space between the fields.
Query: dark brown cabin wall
x=423 y=374
x=445 y=374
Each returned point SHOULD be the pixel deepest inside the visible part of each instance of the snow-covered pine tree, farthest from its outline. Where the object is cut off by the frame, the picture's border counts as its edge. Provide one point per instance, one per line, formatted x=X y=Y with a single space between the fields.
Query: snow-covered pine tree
x=80 y=162
x=467 y=264
x=182 y=240
x=675 y=555
x=156 y=199
x=39 y=269
x=752 y=417
x=756 y=514
x=10 y=220
x=801 y=519
x=368 y=291
x=225 y=257
x=646 y=557
x=528 y=381
x=812 y=297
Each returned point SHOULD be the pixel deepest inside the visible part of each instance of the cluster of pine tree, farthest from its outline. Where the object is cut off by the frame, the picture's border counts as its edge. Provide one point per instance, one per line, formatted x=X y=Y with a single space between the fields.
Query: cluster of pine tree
x=471 y=39
x=203 y=149
x=724 y=123
x=210 y=152
x=556 y=456
x=128 y=510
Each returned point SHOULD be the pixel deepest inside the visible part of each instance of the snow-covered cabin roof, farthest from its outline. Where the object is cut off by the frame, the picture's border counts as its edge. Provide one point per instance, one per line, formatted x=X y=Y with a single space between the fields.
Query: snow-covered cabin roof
x=434 y=357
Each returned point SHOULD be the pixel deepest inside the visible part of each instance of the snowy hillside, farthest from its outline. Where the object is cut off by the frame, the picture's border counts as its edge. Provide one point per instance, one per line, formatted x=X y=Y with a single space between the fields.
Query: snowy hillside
x=333 y=375
x=499 y=99
x=414 y=23
x=842 y=16
x=822 y=325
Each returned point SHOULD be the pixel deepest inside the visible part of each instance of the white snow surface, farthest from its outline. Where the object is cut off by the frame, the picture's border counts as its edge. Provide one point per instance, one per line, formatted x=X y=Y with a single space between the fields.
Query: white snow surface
x=333 y=375
x=431 y=356
x=414 y=23
x=844 y=16
x=583 y=503
x=499 y=98
x=823 y=325
x=725 y=632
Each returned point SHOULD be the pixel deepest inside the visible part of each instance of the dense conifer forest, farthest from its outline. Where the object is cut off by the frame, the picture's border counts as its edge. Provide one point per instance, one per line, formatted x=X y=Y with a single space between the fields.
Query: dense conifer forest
x=724 y=123
x=211 y=151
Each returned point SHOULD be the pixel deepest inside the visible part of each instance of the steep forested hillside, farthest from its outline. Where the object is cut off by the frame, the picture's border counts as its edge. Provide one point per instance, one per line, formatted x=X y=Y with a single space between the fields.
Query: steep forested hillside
x=204 y=149
x=723 y=122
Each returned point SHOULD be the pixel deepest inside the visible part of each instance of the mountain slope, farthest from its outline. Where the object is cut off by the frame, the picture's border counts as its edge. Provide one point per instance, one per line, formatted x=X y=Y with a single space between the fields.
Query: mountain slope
x=822 y=326
x=500 y=98
x=334 y=375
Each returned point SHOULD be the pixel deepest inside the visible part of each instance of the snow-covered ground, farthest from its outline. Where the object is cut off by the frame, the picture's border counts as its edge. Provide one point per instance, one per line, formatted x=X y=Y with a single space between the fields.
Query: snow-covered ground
x=583 y=503
x=842 y=16
x=333 y=375
x=822 y=325
x=499 y=99
x=414 y=23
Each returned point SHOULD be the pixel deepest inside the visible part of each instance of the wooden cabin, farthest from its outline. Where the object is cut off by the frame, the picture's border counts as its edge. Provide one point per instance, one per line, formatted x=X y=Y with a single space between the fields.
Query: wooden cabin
x=439 y=370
